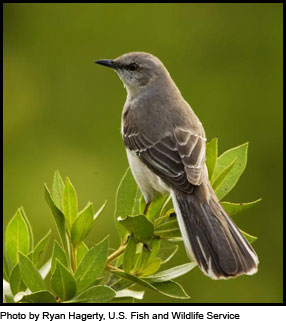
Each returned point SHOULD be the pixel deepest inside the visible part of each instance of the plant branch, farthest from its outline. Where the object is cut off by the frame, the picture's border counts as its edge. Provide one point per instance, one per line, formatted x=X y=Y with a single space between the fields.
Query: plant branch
x=113 y=268
x=115 y=254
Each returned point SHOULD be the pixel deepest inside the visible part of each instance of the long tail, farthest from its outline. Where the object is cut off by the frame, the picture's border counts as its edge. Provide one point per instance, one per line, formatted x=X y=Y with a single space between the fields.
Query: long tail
x=211 y=238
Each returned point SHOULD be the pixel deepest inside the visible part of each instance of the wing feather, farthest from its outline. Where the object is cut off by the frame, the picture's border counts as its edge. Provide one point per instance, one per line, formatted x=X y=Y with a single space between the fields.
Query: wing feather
x=177 y=158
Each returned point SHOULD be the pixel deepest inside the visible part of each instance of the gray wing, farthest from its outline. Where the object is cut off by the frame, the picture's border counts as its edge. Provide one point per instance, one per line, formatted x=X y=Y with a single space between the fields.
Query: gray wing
x=192 y=150
x=177 y=158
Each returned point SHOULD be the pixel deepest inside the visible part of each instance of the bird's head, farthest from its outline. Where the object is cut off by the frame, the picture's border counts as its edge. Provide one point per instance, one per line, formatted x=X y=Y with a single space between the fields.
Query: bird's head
x=137 y=70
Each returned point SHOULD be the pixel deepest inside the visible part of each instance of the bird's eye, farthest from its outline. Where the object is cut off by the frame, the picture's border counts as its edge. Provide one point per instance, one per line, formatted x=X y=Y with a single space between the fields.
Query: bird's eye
x=133 y=67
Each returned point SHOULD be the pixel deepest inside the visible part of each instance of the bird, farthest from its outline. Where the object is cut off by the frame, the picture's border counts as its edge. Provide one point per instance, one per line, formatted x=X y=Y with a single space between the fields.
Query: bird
x=166 y=149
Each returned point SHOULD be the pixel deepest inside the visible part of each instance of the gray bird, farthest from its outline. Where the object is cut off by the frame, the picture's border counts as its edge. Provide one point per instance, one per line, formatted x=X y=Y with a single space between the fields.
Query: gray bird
x=165 y=144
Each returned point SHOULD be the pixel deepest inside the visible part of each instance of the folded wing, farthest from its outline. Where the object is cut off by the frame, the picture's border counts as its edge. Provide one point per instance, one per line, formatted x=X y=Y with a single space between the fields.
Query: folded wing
x=177 y=158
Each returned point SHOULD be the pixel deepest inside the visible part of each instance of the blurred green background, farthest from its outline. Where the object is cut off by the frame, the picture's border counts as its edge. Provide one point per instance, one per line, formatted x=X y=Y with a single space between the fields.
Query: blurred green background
x=61 y=111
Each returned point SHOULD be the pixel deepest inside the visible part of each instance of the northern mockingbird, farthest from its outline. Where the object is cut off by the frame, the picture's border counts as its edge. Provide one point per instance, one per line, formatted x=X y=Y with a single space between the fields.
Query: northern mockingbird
x=165 y=144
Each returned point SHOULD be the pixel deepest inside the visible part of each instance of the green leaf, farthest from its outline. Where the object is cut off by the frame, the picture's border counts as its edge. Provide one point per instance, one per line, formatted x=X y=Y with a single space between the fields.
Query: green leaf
x=176 y=239
x=142 y=260
x=45 y=269
x=63 y=283
x=30 y=275
x=142 y=204
x=168 y=288
x=155 y=246
x=6 y=269
x=223 y=176
x=172 y=273
x=40 y=249
x=235 y=208
x=117 y=283
x=17 y=237
x=168 y=229
x=98 y=281
x=122 y=300
x=155 y=207
x=127 y=200
x=136 y=202
x=168 y=217
x=69 y=202
x=167 y=206
x=81 y=251
x=129 y=255
x=250 y=238
x=16 y=283
x=31 y=235
x=58 y=217
x=96 y=215
x=211 y=156
x=8 y=296
x=58 y=255
x=96 y=294
x=130 y=293
x=152 y=267
x=57 y=190
x=82 y=224
x=239 y=156
x=139 y=225
x=171 y=289
x=92 y=265
x=39 y=297
x=167 y=250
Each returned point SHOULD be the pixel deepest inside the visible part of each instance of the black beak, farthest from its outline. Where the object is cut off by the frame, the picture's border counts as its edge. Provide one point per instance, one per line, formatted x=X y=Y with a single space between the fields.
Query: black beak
x=106 y=62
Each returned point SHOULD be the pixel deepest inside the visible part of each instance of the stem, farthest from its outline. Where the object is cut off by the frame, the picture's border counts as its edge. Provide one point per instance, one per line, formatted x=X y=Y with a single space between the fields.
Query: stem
x=113 y=268
x=115 y=254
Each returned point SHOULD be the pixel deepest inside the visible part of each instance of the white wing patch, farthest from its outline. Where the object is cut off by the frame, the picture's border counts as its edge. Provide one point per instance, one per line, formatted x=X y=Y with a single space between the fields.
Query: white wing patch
x=192 y=149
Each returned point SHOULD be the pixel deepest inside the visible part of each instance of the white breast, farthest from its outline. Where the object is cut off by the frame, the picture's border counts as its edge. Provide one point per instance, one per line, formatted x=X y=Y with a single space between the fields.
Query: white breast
x=148 y=182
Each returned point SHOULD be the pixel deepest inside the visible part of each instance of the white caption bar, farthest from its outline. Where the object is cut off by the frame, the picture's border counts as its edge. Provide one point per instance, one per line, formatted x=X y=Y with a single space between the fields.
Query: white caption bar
x=135 y=313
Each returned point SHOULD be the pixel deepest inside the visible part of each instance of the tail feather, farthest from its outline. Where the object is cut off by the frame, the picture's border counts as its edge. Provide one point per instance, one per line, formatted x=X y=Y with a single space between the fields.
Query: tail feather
x=211 y=238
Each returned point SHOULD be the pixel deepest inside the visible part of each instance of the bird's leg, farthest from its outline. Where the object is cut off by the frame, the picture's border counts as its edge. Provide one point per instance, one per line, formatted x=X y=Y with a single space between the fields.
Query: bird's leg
x=147 y=247
x=146 y=208
x=127 y=239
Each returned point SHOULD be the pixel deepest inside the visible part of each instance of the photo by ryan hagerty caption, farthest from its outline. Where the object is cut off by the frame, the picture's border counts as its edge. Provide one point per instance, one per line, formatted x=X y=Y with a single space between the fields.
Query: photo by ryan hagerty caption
x=132 y=315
